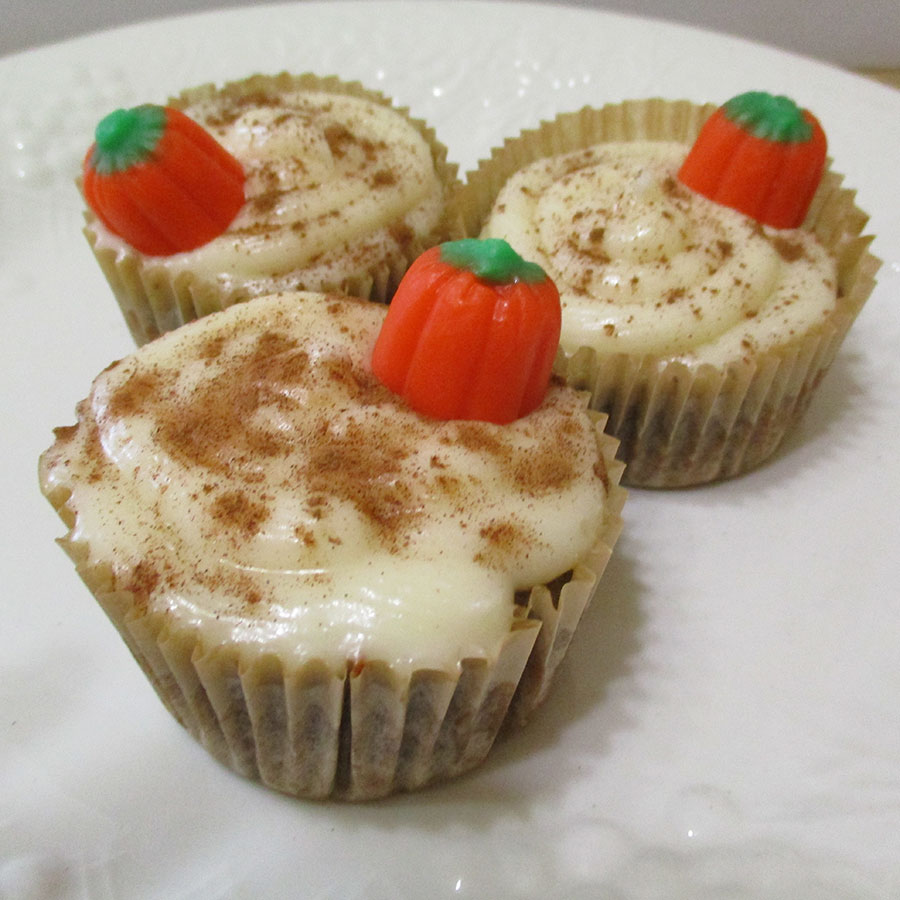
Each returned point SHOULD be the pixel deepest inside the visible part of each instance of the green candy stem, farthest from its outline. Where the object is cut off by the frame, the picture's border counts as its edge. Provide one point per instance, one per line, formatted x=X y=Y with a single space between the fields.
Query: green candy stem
x=769 y=117
x=126 y=137
x=491 y=259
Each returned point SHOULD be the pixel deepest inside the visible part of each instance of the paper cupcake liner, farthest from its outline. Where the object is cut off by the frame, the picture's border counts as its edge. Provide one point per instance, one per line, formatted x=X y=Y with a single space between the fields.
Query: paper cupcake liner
x=680 y=425
x=153 y=301
x=357 y=733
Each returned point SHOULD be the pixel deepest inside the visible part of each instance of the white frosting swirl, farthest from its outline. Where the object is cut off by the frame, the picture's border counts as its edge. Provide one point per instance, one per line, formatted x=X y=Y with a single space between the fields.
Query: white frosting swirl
x=645 y=265
x=248 y=474
x=336 y=185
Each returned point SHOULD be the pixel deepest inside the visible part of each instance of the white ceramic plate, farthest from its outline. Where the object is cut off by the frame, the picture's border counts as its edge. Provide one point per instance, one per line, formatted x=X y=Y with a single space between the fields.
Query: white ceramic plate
x=727 y=724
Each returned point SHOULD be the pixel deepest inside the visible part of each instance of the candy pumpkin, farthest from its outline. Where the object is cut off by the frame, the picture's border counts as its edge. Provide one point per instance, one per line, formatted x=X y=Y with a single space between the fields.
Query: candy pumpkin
x=157 y=179
x=471 y=333
x=761 y=155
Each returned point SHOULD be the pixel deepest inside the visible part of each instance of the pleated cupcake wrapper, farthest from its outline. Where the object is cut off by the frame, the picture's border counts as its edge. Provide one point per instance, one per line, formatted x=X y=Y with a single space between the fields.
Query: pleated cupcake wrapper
x=153 y=300
x=681 y=425
x=362 y=732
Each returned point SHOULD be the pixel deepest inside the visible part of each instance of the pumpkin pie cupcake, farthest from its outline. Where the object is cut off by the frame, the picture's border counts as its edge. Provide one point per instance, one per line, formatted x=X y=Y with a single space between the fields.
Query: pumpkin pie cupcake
x=709 y=264
x=267 y=184
x=336 y=593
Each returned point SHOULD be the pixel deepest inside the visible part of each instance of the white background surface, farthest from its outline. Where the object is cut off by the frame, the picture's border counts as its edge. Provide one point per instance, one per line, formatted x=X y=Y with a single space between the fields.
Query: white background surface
x=852 y=33
x=726 y=725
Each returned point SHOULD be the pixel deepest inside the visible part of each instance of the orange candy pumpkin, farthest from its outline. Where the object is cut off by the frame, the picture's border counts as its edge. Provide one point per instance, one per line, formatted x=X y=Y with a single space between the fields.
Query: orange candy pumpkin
x=160 y=181
x=761 y=155
x=471 y=333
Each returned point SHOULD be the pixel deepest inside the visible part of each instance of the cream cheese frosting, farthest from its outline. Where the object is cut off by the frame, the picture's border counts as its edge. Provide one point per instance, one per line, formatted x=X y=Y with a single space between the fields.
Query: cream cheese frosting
x=335 y=185
x=247 y=474
x=646 y=266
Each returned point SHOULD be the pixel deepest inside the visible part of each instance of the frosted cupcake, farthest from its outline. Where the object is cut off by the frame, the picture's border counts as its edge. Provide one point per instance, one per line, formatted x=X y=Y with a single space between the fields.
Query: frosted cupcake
x=334 y=593
x=706 y=285
x=268 y=184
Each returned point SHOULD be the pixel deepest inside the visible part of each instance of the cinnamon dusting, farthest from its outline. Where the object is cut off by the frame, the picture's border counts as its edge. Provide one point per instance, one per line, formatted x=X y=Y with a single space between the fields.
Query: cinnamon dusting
x=236 y=510
x=503 y=539
x=224 y=406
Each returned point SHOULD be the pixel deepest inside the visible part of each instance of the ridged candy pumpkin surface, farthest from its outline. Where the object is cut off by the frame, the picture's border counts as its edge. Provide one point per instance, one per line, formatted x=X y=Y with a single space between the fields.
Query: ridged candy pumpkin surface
x=471 y=333
x=761 y=155
x=160 y=181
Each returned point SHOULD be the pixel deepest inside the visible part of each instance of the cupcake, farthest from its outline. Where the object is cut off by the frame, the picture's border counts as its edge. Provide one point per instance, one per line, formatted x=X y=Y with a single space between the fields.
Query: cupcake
x=709 y=266
x=269 y=184
x=334 y=593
